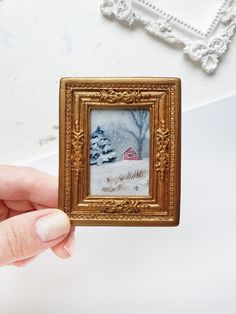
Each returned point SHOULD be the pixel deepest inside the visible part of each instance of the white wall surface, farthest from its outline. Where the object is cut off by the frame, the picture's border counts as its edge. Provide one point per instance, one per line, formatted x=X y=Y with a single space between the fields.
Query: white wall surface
x=41 y=41
x=189 y=269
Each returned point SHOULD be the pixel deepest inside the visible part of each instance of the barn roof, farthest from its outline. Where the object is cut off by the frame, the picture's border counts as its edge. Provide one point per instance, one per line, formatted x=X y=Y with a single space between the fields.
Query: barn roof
x=128 y=149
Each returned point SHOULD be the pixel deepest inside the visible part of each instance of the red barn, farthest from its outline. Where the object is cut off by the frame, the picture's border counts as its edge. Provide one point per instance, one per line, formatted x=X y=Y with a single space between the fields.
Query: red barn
x=130 y=154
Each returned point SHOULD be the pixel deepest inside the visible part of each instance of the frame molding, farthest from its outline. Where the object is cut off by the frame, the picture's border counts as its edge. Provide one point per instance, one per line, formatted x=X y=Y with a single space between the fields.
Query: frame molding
x=202 y=47
x=162 y=97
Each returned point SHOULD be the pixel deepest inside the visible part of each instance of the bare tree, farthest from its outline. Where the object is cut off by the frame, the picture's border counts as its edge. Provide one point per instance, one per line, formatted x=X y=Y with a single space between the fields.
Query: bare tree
x=141 y=122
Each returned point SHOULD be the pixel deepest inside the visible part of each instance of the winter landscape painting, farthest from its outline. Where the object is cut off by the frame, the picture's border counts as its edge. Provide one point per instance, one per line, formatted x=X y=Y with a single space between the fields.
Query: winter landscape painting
x=119 y=152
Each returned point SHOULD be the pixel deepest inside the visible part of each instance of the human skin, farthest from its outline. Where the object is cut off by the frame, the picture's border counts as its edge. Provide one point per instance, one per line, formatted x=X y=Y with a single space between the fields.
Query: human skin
x=30 y=222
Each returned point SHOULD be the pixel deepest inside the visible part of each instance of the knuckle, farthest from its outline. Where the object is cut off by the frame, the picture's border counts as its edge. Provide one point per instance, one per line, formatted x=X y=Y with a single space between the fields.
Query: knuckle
x=16 y=243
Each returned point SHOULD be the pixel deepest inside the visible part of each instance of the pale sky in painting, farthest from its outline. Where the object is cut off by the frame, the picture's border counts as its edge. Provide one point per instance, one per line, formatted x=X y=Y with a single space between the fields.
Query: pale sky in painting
x=103 y=116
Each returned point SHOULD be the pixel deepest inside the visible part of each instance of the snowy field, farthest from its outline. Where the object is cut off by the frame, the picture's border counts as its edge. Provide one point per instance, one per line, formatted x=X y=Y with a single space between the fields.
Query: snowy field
x=126 y=177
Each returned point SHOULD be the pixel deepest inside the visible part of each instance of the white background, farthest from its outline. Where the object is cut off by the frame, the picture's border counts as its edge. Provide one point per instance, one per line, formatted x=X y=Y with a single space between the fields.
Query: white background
x=41 y=41
x=178 y=270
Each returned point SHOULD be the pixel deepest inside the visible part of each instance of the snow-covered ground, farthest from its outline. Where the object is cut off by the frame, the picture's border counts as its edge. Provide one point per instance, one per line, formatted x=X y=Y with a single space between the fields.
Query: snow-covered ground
x=126 y=177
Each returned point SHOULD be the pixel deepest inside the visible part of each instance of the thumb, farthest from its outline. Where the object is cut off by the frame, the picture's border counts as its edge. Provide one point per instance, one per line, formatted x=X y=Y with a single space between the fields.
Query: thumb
x=29 y=234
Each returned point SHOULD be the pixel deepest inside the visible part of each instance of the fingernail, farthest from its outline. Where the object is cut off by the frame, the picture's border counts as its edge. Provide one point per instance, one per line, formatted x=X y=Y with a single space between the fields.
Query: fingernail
x=52 y=226
x=69 y=245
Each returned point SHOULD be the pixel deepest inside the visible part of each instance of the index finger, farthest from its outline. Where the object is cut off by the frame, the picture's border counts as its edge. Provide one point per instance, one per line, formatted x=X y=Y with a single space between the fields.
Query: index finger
x=24 y=183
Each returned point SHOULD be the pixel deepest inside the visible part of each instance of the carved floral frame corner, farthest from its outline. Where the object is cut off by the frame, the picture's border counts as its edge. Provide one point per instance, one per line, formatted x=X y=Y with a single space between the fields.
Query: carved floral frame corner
x=159 y=95
x=203 y=47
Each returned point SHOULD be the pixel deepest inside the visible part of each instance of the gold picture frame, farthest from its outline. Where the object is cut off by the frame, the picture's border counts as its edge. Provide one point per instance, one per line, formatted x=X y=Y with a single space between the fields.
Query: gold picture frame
x=157 y=98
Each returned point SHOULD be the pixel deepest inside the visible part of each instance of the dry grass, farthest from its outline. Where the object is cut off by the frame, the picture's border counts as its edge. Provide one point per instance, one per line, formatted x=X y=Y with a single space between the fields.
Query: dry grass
x=112 y=188
x=128 y=176
x=117 y=183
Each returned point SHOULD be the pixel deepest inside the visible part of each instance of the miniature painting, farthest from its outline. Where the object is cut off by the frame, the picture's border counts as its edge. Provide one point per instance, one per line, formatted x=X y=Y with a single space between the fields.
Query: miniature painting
x=119 y=152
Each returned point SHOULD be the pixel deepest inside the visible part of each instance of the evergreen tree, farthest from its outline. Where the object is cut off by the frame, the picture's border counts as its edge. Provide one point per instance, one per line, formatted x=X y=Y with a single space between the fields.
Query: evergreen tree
x=100 y=148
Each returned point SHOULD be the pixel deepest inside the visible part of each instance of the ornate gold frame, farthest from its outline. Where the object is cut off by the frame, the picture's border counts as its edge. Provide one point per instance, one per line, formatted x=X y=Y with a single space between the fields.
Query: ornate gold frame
x=162 y=97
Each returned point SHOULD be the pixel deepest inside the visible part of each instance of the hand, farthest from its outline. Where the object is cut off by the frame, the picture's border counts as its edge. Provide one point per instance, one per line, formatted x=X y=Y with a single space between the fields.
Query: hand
x=29 y=220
